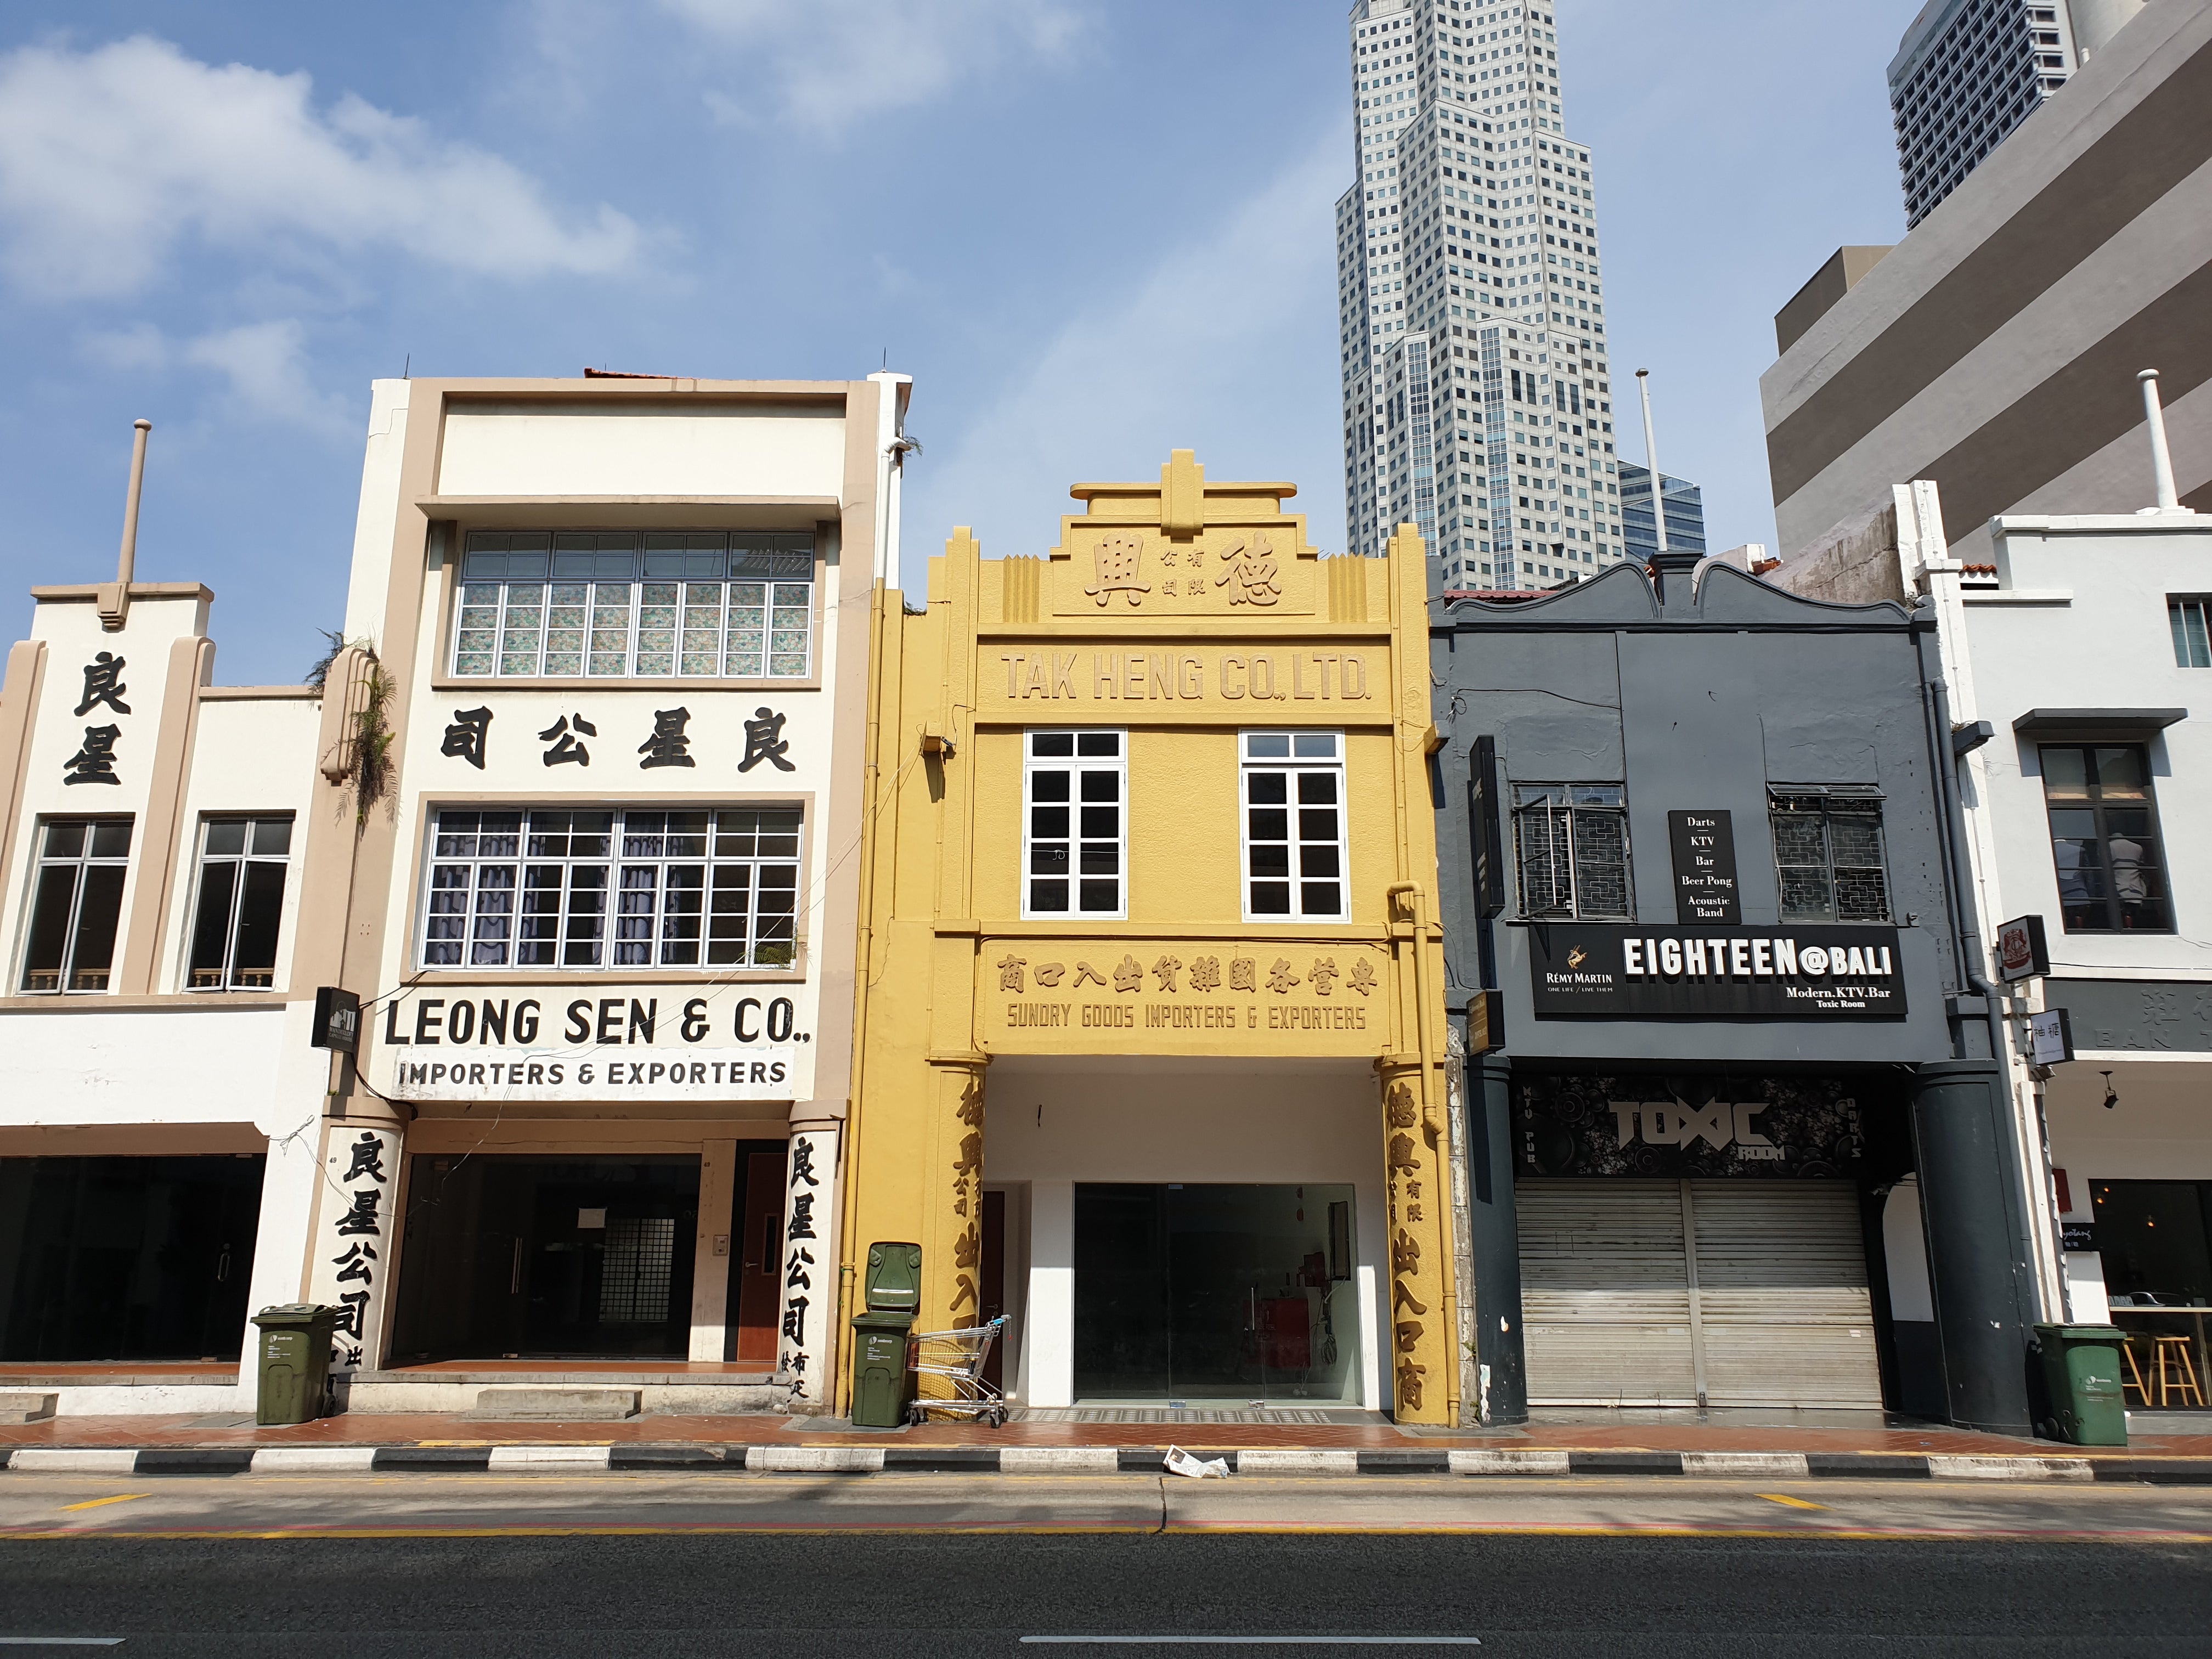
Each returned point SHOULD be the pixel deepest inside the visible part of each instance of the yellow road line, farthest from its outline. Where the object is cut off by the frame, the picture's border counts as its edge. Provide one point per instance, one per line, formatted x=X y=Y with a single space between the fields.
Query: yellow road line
x=1794 y=1502
x=98 y=1502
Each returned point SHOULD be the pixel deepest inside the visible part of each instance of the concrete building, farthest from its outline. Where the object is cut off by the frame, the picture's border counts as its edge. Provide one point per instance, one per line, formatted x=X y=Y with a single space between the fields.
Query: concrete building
x=1734 y=1105
x=570 y=815
x=1994 y=350
x=2072 y=655
x=1469 y=281
x=1686 y=513
x=1152 y=1062
x=1968 y=72
x=167 y=858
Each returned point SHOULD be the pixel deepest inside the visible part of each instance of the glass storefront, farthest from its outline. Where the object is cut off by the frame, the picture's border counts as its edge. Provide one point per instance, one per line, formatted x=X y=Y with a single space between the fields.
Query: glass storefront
x=126 y=1258
x=510 y=1257
x=1190 y=1291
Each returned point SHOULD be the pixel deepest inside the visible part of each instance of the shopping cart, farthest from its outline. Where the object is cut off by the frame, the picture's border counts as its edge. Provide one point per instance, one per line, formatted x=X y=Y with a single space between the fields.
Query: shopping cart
x=948 y=1374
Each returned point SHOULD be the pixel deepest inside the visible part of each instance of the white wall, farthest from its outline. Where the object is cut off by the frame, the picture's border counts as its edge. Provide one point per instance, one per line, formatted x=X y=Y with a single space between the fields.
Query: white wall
x=531 y=449
x=1054 y=1122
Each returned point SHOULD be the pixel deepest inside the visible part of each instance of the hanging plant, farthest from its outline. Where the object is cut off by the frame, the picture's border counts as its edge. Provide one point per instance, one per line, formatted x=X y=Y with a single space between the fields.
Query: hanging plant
x=367 y=746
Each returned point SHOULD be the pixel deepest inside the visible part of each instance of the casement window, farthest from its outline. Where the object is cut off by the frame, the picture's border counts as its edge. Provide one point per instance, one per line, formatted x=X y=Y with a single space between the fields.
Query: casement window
x=1292 y=787
x=638 y=887
x=76 y=903
x=1827 y=850
x=1074 y=827
x=2105 y=839
x=241 y=898
x=1572 y=840
x=595 y=604
x=2192 y=649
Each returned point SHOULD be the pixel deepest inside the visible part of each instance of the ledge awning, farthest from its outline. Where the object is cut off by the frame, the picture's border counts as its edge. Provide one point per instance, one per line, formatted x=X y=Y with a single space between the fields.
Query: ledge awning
x=2037 y=721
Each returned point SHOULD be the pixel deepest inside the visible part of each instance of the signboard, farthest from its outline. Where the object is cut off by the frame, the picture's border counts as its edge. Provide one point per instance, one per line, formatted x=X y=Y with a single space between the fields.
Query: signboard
x=2050 y=1037
x=1684 y=1128
x=625 y=1048
x=2022 y=953
x=1486 y=1022
x=2077 y=1236
x=1484 y=817
x=338 y=1020
x=1592 y=969
x=1704 y=869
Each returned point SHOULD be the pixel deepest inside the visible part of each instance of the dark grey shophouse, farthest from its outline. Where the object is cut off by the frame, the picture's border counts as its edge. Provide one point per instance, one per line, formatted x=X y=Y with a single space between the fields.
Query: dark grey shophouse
x=1734 y=1130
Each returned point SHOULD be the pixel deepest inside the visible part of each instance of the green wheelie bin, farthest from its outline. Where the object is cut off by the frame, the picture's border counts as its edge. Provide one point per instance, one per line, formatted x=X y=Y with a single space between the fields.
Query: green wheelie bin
x=2081 y=1381
x=295 y=1361
x=890 y=1294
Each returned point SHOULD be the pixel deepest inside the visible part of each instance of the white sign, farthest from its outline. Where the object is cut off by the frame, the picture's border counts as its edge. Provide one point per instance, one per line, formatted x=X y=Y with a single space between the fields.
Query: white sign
x=761 y=1071
x=2050 y=1037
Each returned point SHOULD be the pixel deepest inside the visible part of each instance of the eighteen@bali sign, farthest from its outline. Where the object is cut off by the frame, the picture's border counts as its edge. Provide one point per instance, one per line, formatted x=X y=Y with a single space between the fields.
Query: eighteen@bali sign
x=1723 y=973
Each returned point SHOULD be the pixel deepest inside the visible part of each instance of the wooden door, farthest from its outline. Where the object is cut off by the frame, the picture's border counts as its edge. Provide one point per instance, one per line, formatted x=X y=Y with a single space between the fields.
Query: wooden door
x=756 y=1290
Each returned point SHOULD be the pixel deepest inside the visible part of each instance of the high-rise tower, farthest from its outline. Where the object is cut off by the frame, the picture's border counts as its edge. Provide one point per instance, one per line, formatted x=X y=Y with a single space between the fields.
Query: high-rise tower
x=1477 y=402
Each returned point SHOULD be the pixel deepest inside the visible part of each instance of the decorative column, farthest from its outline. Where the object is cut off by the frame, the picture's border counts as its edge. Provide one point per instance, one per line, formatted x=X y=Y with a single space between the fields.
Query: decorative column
x=1494 y=1244
x=806 y=1345
x=1422 y=1352
x=358 y=1223
x=1981 y=1266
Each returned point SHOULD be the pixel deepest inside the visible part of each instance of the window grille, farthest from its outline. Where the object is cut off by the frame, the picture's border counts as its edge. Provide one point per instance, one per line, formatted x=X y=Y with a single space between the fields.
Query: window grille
x=1573 y=840
x=1828 y=851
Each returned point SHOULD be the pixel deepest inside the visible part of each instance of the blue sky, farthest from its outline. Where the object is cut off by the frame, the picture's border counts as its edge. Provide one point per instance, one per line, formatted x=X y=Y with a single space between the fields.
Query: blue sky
x=1093 y=232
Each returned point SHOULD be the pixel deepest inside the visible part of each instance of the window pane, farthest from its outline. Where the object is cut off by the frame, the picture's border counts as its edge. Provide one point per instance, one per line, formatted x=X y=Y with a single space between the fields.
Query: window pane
x=253 y=958
x=211 y=925
x=273 y=837
x=1315 y=746
x=49 y=915
x=1048 y=744
x=226 y=837
x=92 y=953
x=1098 y=743
x=66 y=841
x=2065 y=772
x=2120 y=772
x=110 y=838
x=1268 y=745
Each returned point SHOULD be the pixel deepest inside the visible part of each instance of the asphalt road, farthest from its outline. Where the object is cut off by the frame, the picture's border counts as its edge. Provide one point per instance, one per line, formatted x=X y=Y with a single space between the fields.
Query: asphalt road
x=434 y=1565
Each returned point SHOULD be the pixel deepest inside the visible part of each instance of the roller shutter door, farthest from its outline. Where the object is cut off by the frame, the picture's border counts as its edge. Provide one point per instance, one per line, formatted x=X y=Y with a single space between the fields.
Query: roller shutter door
x=1772 y=1309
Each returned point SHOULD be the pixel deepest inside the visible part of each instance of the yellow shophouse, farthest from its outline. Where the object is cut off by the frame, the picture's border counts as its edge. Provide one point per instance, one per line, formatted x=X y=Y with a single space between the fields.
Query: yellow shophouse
x=1151 y=1014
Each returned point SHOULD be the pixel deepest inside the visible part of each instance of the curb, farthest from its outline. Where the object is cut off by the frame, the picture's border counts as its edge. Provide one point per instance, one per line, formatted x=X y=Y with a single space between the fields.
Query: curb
x=1293 y=1461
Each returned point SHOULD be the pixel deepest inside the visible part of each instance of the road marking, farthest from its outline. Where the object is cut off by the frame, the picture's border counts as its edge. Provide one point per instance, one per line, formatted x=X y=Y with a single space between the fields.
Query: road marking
x=101 y=1502
x=1263 y=1641
x=61 y=1641
x=1794 y=1502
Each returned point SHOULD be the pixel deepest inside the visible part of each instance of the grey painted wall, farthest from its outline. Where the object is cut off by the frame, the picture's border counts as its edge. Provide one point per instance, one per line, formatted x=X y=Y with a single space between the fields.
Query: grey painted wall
x=1701 y=703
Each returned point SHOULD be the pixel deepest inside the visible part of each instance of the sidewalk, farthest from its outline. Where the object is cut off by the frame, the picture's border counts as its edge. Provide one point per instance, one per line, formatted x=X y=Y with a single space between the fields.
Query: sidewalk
x=1657 y=1439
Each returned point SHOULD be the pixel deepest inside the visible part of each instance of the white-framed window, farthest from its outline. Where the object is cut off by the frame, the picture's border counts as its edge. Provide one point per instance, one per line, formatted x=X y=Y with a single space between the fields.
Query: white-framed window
x=76 y=902
x=601 y=605
x=240 y=904
x=1291 y=786
x=1075 y=824
x=634 y=888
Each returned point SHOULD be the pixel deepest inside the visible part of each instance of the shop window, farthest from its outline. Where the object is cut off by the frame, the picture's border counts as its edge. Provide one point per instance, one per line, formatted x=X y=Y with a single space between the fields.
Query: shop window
x=2104 y=838
x=1573 y=844
x=1293 y=785
x=76 y=903
x=1074 y=829
x=531 y=887
x=591 y=604
x=241 y=897
x=1827 y=850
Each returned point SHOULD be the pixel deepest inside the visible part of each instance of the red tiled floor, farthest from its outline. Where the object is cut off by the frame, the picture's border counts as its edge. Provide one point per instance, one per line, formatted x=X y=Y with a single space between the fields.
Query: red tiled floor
x=386 y=1428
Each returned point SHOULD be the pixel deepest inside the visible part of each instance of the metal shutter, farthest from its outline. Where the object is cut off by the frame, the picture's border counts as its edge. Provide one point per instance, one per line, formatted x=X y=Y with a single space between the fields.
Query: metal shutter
x=1783 y=1309
x=1605 y=1296
x=1778 y=1312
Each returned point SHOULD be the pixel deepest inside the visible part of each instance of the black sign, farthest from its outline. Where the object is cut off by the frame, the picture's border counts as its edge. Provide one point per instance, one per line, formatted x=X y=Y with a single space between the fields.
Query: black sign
x=1483 y=816
x=1833 y=972
x=338 y=1020
x=2076 y=1235
x=1486 y=1022
x=1682 y=1127
x=1704 y=869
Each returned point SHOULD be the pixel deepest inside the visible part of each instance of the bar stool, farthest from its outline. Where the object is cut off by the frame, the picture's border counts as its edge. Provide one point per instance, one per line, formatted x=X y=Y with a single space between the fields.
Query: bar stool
x=2133 y=1377
x=2174 y=1372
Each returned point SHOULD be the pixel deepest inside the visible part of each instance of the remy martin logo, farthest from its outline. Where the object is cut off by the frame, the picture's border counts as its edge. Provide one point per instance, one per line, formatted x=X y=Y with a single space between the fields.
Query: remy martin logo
x=1576 y=956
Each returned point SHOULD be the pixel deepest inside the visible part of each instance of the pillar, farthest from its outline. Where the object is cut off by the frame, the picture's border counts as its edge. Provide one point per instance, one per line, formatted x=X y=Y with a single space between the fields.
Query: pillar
x=1422 y=1358
x=353 y=1249
x=1980 y=1266
x=1494 y=1244
x=805 y=1343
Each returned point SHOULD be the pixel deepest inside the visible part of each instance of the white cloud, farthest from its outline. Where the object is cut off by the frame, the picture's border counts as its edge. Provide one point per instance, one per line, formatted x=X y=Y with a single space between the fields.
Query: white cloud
x=109 y=158
x=263 y=364
x=1226 y=345
x=832 y=63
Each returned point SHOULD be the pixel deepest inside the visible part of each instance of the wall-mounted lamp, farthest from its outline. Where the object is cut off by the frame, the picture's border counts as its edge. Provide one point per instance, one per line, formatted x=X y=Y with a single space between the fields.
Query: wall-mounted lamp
x=2111 y=1095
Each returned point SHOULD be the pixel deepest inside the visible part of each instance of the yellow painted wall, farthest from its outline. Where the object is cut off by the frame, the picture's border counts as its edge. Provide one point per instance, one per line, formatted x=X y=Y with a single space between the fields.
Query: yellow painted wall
x=1182 y=613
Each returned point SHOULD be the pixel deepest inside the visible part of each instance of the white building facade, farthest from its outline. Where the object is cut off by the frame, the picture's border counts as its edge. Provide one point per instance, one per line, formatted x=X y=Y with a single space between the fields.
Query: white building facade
x=573 y=816
x=1477 y=398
